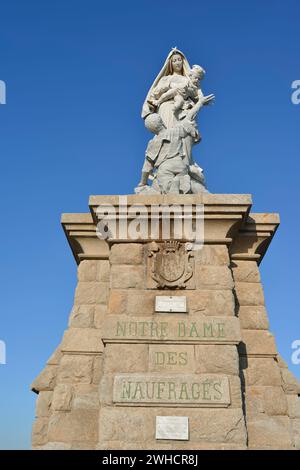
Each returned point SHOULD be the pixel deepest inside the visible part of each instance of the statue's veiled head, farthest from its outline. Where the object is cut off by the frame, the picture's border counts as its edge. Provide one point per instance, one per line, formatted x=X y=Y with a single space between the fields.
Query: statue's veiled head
x=176 y=63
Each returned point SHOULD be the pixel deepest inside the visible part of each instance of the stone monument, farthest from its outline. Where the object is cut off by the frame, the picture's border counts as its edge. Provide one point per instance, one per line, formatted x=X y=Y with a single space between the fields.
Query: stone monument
x=168 y=345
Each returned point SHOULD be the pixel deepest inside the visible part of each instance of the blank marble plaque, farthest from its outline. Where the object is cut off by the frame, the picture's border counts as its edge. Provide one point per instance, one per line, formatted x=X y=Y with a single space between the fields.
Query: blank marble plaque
x=170 y=303
x=172 y=427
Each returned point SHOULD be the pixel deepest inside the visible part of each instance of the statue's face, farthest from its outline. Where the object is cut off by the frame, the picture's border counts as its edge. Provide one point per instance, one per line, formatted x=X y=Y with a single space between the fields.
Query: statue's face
x=177 y=63
x=194 y=79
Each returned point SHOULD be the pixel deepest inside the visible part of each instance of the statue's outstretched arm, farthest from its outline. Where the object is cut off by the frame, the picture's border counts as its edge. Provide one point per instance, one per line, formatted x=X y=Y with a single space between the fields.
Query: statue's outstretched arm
x=191 y=115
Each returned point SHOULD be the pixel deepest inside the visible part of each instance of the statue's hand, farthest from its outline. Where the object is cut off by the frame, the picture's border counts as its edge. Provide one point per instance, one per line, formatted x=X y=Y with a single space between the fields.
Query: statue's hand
x=208 y=99
x=153 y=103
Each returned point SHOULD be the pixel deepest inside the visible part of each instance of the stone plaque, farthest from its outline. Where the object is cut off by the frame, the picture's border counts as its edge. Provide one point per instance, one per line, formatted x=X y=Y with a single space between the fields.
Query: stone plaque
x=172 y=427
x=170 y=303
x=172 y=389
x=166 y=329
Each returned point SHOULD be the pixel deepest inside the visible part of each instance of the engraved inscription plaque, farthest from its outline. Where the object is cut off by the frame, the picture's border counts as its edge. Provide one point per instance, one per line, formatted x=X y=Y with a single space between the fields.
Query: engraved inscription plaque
x=171 y=329
x=170 y=303
x=172 y=389
x=172 y=427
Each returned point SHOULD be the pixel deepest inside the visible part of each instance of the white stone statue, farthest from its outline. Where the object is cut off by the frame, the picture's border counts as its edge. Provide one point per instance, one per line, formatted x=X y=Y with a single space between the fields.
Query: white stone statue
x=170 y=111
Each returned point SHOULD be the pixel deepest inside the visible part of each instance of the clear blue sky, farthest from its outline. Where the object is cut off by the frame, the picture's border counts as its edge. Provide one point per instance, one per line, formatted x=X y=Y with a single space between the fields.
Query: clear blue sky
x=76 y=74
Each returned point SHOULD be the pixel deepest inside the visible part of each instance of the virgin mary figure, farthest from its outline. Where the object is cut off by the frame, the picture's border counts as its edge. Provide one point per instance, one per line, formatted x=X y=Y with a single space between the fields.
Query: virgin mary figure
x=174 y=74
x=170 y=111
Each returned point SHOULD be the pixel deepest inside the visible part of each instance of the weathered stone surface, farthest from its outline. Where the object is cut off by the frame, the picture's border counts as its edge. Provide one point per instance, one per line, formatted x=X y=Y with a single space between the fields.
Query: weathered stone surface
x=117 y=302
x=97 y=369
x=166 y=328
x=266 y=399
x=293 y=406
x=295 y=424
x=253 y=317
x=123 y=445
x=127 y=253
x=249 y=293
x=82 y=316
x=99 y=315
x=290 y=383
x=171 y=358
x=212 y=255
x=269 y=432
x=91 y=293
x=83 y=389
x=245 y=271
x=230 y=203
x=235 y=391
x=43 y=404
x=281 y=362
x=46 y=380
x=103 y=271
x=262 y=371
x=169 y=445
x=254 y=401
x=86 y=399
x=127 y=277
x=75 y=368
x=183 y=389
x=76 y=425
x=141 y=302
x=117 y=424
x=83 y=445
x=211 y=302
x=208 y=428
x=87 y=270
x=259 y=342
x=217 y=359
x=224 y=426
x=106 y=389
x=54 y=446
x=55 y=358
x=126 y=358
x=62 y=397
x=213 y=277
x=39 y=431
x=203 y=302
x=86 y=340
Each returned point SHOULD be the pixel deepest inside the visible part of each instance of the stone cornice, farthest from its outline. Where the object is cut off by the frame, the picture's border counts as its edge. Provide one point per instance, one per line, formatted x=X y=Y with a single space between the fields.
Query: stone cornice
x=223 y=213
x=254 y=238
x=80 y=231
x=226 y=221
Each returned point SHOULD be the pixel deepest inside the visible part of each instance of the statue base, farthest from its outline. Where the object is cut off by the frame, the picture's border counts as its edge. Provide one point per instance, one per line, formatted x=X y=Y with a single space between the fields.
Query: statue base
x=168 y=344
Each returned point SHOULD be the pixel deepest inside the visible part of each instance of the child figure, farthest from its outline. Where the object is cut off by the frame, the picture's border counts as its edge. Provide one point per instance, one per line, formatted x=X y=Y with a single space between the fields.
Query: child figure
x=180 y=93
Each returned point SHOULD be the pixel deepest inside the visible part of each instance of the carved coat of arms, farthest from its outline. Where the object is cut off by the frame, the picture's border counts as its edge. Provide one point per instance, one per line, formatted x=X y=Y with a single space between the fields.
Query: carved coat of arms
x=172 y=266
